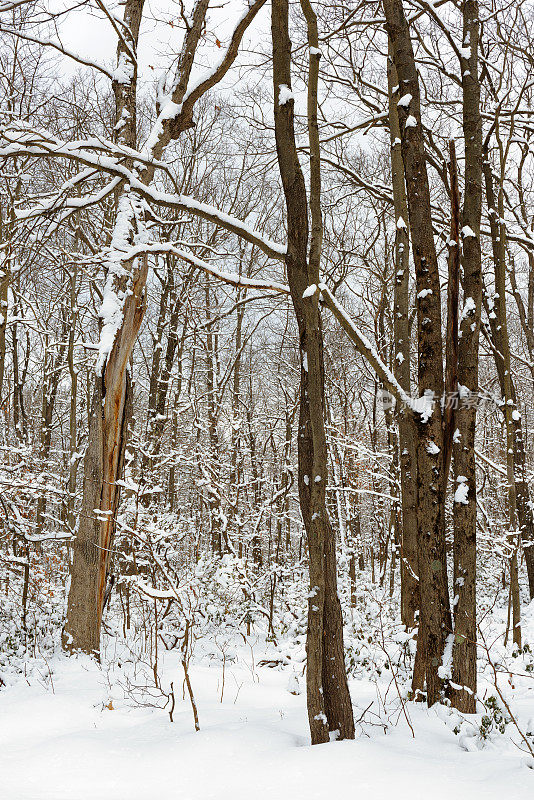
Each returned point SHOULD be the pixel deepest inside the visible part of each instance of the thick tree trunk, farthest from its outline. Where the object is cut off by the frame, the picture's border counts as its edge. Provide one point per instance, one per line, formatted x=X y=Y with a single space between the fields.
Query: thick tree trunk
x=111 y=412
x=435 y=618
x=103 y=462
x=123 y=310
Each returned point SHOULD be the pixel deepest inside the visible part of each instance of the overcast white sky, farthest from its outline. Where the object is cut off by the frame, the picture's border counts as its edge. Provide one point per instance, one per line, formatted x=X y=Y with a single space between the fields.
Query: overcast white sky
x=90 y=35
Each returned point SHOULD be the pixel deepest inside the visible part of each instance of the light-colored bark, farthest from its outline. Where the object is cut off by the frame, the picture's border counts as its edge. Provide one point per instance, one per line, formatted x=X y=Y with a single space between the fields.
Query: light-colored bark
x=125 y=290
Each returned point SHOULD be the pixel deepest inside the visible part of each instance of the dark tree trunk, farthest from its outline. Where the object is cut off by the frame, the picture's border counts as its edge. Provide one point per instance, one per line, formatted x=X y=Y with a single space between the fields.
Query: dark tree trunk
x=464 y=668
x=401 y=329
x=435 y=619
x=524 y=510
x=329 y=704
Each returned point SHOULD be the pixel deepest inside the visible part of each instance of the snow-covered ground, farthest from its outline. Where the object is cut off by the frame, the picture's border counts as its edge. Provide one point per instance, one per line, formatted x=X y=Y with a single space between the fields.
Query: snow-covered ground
x=72 y=730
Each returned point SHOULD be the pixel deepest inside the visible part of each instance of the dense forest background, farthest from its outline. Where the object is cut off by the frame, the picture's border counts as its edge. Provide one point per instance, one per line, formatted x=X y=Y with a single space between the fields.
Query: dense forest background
x=267 y=350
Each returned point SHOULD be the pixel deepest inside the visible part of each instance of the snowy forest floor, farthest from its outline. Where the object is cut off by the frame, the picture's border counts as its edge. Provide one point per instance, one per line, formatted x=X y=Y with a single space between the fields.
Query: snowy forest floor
x=70 y=728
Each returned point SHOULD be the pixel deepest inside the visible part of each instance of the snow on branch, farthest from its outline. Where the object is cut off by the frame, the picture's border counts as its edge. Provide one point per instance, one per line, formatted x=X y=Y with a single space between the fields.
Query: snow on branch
x=129 y=225
x=86 y=62
x=68 y=204
x=176 y=114
x=365 y=348
x=226 y=277
x=25 y=141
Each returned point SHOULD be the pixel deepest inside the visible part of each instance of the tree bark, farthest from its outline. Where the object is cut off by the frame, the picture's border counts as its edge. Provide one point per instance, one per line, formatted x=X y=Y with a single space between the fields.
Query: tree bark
x=410 y=601
x=464 y=666
x=329 y=704
x=125 y=288
x=435 y=618
x=111 y=401
x=499 y=329
x=501 y=348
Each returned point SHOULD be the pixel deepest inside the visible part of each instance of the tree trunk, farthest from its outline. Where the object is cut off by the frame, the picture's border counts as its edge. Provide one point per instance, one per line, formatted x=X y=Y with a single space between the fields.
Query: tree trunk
x=464 y=667
x=111 y=400
x=410 y=602
x=435 y=618
x=4 y=287
x=123 y=310
x=214 y=497
x=329 y=704
x=73 y=432
x=501 y=352
x=499 y=328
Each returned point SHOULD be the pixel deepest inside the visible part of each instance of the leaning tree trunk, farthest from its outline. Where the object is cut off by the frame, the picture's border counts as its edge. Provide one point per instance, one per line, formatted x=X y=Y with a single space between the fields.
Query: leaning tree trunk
x=123 y=310
x=435 y=618
x=110 y=414
x=329 y=704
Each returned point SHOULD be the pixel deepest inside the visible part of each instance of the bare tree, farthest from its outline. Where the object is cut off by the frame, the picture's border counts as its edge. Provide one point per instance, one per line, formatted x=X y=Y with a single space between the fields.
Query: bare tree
x=435 y=608
x=329 y=706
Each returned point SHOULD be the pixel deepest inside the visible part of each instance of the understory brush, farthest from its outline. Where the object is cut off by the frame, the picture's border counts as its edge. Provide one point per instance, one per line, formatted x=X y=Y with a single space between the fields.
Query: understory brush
x=164 y=623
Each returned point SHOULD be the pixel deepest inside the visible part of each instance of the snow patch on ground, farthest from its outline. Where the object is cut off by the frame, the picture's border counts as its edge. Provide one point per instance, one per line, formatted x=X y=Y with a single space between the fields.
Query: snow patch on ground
x=75 y=733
